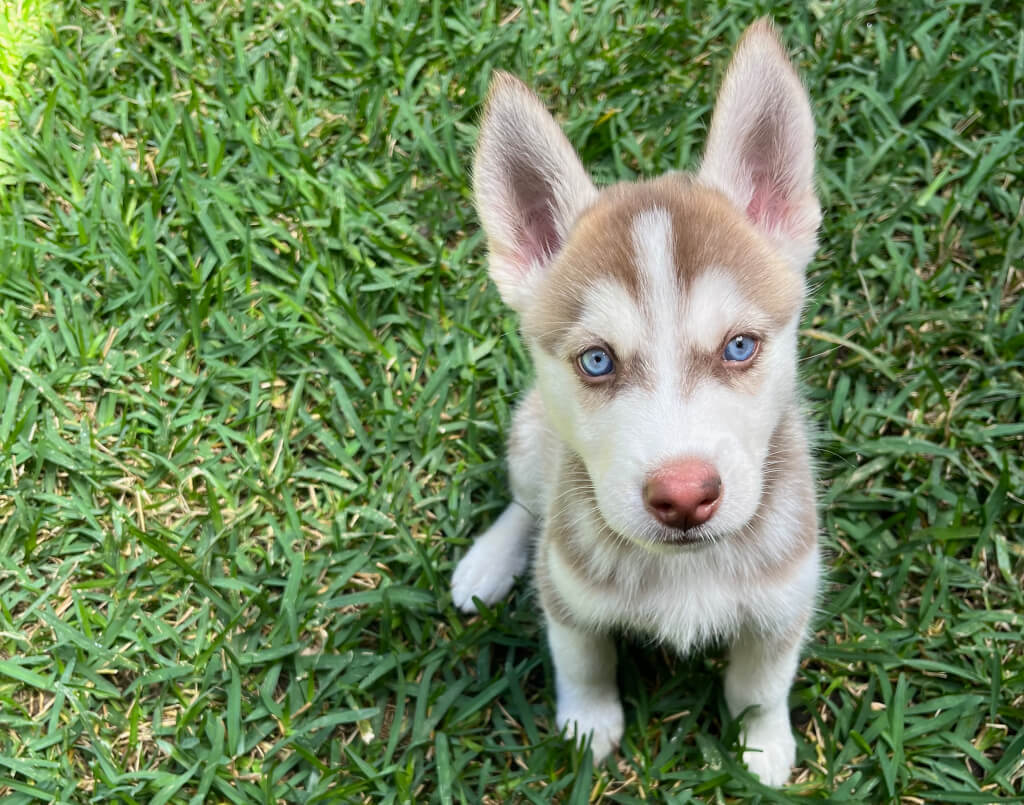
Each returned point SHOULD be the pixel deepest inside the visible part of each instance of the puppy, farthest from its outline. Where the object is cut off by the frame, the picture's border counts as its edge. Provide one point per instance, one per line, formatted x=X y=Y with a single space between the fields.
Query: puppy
x=662 y=454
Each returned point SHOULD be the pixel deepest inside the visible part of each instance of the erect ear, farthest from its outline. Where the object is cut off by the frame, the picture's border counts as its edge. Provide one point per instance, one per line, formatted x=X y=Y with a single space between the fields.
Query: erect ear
x=529 y=186
x=760 y=151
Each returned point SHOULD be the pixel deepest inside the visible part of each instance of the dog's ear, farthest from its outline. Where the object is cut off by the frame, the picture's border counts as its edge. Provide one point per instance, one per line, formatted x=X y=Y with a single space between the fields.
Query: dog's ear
x=760 y=151
x=530 y=187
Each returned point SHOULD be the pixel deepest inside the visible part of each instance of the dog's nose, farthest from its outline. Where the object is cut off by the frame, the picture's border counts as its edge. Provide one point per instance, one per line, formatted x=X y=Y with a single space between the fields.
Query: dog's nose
x=683 y=494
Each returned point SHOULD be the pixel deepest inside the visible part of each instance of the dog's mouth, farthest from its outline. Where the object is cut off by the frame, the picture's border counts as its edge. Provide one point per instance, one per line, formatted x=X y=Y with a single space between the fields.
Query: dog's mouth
x=673 y=540
x=693 y=538
x=690 y=539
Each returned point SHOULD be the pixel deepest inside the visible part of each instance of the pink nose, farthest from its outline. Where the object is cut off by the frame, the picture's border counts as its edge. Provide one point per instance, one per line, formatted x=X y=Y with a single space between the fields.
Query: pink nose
x=683 y=494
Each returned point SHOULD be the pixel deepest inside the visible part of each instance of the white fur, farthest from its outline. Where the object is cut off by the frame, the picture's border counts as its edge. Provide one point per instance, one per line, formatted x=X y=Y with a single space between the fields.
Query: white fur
x=609 y=314
x=501 y=553
x=497 y=557
x=651 y=236
x=716 y=307
x=752 y=580
x=641 y=430
x=588 y=697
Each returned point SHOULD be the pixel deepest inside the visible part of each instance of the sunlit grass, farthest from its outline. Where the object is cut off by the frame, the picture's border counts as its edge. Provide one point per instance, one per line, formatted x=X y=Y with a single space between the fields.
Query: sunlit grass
x=21 y=26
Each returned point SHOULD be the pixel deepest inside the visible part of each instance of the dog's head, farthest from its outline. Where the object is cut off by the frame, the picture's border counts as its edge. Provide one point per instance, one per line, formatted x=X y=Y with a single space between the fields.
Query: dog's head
x=662 y=315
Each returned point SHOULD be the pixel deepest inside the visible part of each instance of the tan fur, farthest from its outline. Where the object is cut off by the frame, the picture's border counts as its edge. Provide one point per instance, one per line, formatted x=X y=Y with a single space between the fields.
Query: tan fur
x=707 y=230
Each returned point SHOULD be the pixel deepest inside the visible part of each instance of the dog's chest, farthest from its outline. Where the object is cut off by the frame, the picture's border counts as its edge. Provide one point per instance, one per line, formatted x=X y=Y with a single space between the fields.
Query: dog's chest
x=680 y=600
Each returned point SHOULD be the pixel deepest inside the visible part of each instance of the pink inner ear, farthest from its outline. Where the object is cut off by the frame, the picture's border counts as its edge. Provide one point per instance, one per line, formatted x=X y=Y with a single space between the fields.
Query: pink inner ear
x=770 y=206
x=767 y=209
x=537 y=238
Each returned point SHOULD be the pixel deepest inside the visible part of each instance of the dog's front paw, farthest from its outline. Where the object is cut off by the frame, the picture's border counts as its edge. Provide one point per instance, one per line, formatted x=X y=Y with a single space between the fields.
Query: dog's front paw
x=499 y=555
x=599 y=720
x=481 y=576
x=770 y=752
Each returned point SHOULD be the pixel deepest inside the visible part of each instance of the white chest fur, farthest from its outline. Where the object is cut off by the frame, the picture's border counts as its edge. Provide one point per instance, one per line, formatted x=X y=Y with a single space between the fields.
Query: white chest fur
x=685 y=597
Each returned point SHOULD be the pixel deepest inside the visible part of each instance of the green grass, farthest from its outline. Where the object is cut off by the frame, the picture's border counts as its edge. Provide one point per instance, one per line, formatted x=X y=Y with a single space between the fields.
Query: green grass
x=255 y=387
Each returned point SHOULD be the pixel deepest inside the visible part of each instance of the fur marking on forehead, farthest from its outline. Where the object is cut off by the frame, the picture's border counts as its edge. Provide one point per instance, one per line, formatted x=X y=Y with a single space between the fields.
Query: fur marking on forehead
x=652 y=238
x=637 y=233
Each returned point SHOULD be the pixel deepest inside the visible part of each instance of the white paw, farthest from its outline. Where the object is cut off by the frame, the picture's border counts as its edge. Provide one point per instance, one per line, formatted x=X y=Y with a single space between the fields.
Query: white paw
x=480 y=575
x=492 y=564
x=599 y=720
x=771 y=753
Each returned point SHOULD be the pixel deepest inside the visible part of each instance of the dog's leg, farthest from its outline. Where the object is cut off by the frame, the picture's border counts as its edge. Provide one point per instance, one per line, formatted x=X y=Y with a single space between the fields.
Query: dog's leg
x=760 y=673
x=496 y=558
x=500 y=554
x=588 y=697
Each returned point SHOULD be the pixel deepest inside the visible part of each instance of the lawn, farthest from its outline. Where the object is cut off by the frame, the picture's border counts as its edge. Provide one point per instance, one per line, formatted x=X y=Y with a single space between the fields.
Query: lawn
x=256 y=385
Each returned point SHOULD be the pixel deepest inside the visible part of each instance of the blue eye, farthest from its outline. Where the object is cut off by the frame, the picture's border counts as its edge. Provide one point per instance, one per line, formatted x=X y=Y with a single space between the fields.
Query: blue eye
x=740 y=349
x=596 y=362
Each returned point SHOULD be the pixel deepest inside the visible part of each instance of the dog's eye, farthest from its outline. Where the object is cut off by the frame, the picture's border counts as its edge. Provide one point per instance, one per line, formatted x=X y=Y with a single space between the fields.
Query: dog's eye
x=596 y=362
x=740 y=349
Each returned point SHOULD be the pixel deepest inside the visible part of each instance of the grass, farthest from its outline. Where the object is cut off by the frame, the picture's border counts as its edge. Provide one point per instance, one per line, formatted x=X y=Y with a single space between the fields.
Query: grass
x=255 y=388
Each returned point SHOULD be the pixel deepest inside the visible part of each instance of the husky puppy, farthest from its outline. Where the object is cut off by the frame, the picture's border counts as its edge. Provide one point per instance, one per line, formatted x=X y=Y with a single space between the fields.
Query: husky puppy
x=662 y=455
